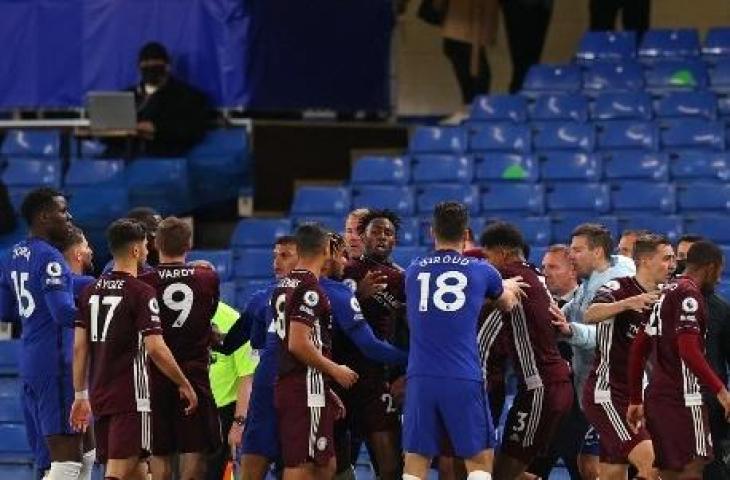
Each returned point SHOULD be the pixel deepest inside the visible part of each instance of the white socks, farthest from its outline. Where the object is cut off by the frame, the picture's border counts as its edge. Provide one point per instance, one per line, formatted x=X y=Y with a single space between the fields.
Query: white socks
x=64 y=471
x=479 y=475
x=87 y=465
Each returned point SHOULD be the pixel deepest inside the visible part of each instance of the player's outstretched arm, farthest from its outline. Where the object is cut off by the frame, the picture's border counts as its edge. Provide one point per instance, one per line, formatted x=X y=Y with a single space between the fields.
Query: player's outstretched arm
x=600 y=311
x=301 y=346
x=163 y=359
x=80 y=416
x=237 y=335
x=374 y=348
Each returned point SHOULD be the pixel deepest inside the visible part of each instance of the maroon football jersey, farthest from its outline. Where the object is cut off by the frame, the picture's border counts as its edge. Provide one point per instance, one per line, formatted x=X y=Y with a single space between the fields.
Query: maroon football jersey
x=613 y=340
x=681 y=308
x=188 y=298
x=528 y=326
x=299 y=298
x=117 y=311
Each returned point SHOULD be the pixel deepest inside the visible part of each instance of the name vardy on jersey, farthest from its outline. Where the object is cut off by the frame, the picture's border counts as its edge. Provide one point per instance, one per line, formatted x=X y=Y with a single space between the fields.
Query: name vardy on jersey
x=176 y=273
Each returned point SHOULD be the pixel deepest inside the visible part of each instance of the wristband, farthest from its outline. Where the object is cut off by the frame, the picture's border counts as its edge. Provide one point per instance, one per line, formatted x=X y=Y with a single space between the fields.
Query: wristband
x=82 y=395
x=239 y=420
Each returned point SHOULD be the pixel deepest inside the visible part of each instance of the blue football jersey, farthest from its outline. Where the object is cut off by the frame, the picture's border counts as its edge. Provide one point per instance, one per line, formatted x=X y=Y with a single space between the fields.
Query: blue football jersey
x=345 y=307
x=31 y=269
x=445 y=292
x=264 y=336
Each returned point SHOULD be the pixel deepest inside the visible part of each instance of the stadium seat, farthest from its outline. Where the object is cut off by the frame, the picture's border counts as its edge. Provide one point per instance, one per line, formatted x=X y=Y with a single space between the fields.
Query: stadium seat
x=161 y=183
x=398 y=199
x=563 y=224
x=562 y=166
x=18 y=471
x=380 y=170
x=544 y=78
x=223 y=164
x=403 y=256
x=565 y=136
x=506 y=167
x=438 y=140
x=500 y=137
x=661 y=43
x=427 y=196
x=253 y=263
x=560 y=107
x=723 y=289
x=442 y=168
x=606 y=46
x=669 y=225
x=9 y=357
x=513 y=199
x=576 y=197
x=31 y=143
x=629 y=135
x=713 y=227
x=720 y=77
x=409 y=232
x=13 y=441
x=671 y=75
x=335 y=223
x=228 y=293
x=321 y=201
x=499 y=108
x=10 y=386
x=613 y=77
x=622 y=106
x=688 y=104
x=694 y=133
x=88 y=148
x=692 y=165
x=222 y=260
x=11 y=410
x=700 y=197
x=636 y=165
x=644 y=196
x=246 y=289
x=93 y=207
x=260 y=232
x=221 y=141
x=93 y=172
x=537 y=231
x=717 y=43
x=31 y=173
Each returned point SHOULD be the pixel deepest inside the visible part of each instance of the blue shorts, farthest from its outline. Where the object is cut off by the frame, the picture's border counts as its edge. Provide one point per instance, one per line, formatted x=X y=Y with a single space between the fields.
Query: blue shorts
x=260 y=435
x=444 y=410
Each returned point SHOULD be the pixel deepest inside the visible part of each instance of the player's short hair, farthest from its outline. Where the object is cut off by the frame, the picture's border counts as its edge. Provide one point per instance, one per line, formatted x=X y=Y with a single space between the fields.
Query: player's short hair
x=371 y=215
x=311 y=239
x=123 y=232
x=704 y=252
x=147 y=216
x=647 y=244
x=636 y=232
x=74 y=236
x=597 y=235
x=337 y=242
x=174 y=237
x=358 y=213
x=502 y=235
x=38 y=201
x=690 y=238
x=286 y=240
x=450 y=220
x=559 y=248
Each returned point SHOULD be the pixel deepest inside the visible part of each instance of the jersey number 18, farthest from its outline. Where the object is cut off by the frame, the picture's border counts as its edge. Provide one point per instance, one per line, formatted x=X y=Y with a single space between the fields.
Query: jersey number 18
x=449 y=293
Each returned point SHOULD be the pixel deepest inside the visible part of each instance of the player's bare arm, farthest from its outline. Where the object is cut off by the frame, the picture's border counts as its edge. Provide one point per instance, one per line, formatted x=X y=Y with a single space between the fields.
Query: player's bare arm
x=300 y=344
x=161 y=355
x=599 y=312
x=81 y=409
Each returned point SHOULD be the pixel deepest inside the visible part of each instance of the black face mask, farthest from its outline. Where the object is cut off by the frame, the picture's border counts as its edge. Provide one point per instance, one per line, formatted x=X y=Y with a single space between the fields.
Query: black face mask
x=153 y=74
x=681 y=266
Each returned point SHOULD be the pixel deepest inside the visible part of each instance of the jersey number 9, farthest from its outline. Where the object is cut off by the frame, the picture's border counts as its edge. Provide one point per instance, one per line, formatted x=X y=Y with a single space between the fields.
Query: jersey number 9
x=178 y=297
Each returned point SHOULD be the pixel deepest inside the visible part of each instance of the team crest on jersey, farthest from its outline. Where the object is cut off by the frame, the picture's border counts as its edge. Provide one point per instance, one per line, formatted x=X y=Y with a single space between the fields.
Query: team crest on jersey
x=154 y=306
x=53 y=269
x=690 y=305
x=350 y=283
x=311 y=298
x=355 y=304
x=321 y=444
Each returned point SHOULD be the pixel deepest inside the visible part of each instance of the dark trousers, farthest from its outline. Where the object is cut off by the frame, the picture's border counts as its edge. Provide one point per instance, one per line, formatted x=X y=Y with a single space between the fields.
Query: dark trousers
x=217 y=461
x=459 y=54
x=634 y=15
x=719 y=429
x=526 y=23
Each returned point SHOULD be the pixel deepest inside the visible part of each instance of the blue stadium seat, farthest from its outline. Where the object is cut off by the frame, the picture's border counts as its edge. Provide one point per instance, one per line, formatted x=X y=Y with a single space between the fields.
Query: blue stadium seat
x=636 y=165
x=222 y=159
x=537 y=231
x=409 y=232
x=688 y=104
x=693 y=133
x=245 y=290
x=544 y=78
x=663 y=43
x=438 y=140
x=228 y=293
x=723 y=288
x=701 y=197
x=513 y=199
x=18 y=471
x=93 y=172
x=442 y=168
x=669 y=225
x=253 y=262
x=720 y=76
x=726 y=253
x=565 y=222
x=714 y=227
x=88 y=148
x=500 y=137
x=723 y=108
x=10 y=386
x=537 y=254
x=403 y=256
x=499 y=108
x=507 y=167
x=380 y=170
x=629 y=135
x=560 y=107
x=671 y=75
x=161 y=183
x=429 y=195
x=30 y=173
x=222 y=260
x=220 y=142
x=692 y=165
x=644 y=196
x=613 y=77
x=9 y=357
x=13 y=441
x=94 y=207
x=577 y=166
x=31 y=143
x=321 y=201
x=606 y=46
x=575 y=197
x=566 y=136
x=11 y=410
x=335 y=223
x=717 y=43
x=260 y=232
x=398 y=199
x=622 y=106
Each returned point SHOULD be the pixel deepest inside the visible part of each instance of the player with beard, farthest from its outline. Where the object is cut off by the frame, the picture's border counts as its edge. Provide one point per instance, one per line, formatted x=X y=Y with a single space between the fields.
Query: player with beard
x=370 y=403
x=79 y=257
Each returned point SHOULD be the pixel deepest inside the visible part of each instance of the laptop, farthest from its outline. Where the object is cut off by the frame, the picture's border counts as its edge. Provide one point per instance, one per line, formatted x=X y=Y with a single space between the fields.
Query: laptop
x=111 y=111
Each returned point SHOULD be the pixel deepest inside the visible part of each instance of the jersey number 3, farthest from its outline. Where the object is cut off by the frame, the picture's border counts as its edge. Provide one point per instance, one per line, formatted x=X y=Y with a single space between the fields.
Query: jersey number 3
x=449 y=293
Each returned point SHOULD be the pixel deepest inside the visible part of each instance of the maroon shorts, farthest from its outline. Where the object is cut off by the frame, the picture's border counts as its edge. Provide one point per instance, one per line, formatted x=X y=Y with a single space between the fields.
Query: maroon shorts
x=534 y=418
x=370 y=407
x=123 y=435
x=679 y=433
x=306 y=433
x=616 y=440
x=172 y=430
